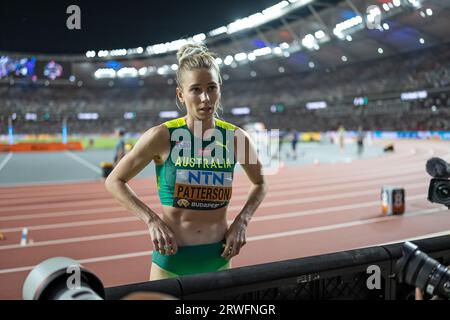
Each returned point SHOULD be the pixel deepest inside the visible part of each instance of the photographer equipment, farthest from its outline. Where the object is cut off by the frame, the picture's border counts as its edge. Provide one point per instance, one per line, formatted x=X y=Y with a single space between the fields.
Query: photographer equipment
x=438 y=168
x=418 y=269
x=62 y=278
x=439 y=189
x=392 y=200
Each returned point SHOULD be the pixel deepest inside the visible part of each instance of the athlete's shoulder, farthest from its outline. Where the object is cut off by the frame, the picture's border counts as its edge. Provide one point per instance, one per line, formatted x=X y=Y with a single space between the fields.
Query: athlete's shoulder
x=225 y=125
x=155 y=135
x=175 y=123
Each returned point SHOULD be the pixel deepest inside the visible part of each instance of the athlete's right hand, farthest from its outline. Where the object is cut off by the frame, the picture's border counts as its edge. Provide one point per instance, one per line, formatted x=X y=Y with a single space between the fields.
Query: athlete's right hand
x=162 y=236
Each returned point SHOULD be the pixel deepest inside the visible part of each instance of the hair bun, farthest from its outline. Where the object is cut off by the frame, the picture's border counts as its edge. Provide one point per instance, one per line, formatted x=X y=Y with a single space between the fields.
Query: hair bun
x=190 y=50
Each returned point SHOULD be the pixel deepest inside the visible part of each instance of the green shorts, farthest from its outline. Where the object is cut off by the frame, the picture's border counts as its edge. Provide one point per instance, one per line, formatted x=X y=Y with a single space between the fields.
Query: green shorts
x=192 y=259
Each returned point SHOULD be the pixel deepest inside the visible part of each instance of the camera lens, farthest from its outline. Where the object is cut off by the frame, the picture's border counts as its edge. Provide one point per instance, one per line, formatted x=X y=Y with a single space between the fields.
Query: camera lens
x=443 y=191
x=418 y=269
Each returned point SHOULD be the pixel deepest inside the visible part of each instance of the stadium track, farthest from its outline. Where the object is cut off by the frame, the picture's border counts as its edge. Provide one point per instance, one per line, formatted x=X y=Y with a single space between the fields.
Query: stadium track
x=309 y=210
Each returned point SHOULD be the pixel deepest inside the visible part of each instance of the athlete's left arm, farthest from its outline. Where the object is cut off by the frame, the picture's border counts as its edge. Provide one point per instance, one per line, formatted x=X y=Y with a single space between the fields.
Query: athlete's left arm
x=247 y=157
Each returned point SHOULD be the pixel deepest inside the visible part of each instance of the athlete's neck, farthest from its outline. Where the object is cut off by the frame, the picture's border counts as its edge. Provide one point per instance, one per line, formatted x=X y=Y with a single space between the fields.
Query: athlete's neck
x=194 y=124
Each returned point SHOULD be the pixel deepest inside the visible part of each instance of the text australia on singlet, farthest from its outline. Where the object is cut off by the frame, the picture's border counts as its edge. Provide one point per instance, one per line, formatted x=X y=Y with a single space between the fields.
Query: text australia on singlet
x=200 y=182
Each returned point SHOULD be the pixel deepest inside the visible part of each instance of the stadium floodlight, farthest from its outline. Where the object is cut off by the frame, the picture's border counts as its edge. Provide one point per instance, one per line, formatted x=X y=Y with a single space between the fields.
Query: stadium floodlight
x=199 y=37
x=348 y=38
x=396 y=3
x=275 y=10
x=253 y=74
x=174 y=67
x=127 y=73
x=385 y=7
x=118 y=52
x=245 y=23
x=311 y=64
x=241 y=56
x=90 y=54
x=284 y=45
x=429 y=12
x=380 y=50
x=102 y=53
x=251 y=56
x=228 y=60
x=277 y=50
x=422 y=40
x=414 y=3
x=143 y=71
x=163 y=70
x=319 y=34
x=344 y=58
x=281 y=69
x=346 y=25
x=105 y=73
x=262 y=51
x=309 y=41
x=175 y=45
x=218 y=31
x=385 y=26
x=159 y=48
x=140 y=50
x=219 y=61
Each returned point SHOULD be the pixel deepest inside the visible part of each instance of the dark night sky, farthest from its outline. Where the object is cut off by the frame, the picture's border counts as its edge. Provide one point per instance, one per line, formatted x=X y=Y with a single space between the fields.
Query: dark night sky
x=40 y=26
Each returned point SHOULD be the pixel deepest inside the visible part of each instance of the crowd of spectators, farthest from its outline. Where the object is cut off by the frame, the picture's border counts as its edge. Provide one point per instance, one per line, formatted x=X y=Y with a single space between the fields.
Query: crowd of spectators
x=381 y=80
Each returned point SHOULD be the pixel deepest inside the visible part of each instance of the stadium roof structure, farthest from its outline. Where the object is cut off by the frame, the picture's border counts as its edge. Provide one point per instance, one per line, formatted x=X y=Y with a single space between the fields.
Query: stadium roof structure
x=291 y=36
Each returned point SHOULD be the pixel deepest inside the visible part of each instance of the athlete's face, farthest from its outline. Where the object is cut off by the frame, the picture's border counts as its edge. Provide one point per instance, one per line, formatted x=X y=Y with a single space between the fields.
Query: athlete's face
x=200 y=92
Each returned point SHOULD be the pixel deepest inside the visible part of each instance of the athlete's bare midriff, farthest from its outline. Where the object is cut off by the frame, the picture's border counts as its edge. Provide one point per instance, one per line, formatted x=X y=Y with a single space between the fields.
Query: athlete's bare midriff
x=193 y=227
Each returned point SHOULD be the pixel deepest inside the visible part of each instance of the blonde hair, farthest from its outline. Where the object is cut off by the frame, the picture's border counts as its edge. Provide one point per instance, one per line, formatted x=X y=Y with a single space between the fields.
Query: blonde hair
x=196 y=56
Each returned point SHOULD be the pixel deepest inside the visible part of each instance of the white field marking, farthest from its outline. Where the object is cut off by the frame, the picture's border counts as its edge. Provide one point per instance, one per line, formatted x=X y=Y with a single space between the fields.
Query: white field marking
x=288 y=187
x=83 y=162
x=344 y=225
x=257 y=218
x=5 y=161
x=236 y=190
x=255 y=238
x=254 y=219
x=137 y=233
x=155 y=197
x=2 y=185
x=366 y=173
x=266 y=204
x=424 y=236
x=5 y=186
x=90 y=260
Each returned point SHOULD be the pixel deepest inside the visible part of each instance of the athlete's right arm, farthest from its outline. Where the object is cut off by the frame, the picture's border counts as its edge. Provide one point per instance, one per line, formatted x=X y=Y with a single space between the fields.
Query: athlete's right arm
x=150 y=146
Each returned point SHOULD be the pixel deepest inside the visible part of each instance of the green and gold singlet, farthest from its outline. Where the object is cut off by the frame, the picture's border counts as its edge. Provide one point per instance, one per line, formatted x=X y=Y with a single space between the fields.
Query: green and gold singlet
x=198 y=174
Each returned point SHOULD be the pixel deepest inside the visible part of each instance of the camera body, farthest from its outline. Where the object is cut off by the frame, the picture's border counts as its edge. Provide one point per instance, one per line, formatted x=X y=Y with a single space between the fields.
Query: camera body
x=439 y=191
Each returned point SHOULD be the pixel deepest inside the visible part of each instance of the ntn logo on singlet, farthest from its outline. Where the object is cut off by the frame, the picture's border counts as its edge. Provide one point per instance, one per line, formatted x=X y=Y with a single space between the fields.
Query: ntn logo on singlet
x=204 y=178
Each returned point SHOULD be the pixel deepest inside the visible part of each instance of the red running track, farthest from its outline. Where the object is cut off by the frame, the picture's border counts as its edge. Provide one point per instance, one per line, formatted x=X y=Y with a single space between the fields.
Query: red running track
x=309 y=210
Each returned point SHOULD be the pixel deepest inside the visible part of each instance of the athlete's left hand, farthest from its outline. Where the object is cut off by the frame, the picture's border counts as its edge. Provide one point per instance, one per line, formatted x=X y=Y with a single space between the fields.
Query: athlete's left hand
x=234 y=239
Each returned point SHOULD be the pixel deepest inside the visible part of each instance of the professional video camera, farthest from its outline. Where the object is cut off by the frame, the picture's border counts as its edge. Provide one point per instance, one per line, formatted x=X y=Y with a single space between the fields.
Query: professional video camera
x=418 y=269
x=439 y=189
x=62 y=279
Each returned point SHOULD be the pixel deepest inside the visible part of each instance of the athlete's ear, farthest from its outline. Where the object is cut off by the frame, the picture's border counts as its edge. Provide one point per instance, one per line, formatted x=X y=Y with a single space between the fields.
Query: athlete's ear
x=180 y=94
